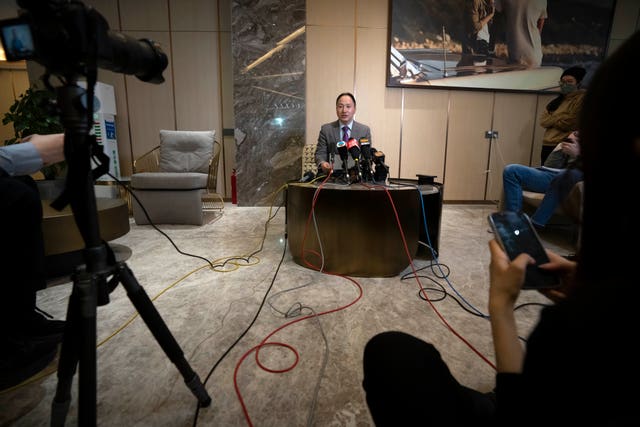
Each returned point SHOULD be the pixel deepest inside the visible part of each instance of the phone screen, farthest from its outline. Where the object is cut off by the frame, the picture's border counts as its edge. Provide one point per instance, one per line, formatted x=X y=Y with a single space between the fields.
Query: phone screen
x=516 y=235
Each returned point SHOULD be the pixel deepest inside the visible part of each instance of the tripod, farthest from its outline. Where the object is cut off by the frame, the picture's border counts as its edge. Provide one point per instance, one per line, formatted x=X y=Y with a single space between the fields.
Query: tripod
x=90 y=286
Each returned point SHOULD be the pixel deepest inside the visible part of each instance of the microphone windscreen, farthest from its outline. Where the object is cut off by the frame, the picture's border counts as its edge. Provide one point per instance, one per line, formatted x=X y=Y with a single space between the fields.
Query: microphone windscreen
x=354 y=149
x=332 y=148
x=378 y=156
x=342 y=149
x=365 y=148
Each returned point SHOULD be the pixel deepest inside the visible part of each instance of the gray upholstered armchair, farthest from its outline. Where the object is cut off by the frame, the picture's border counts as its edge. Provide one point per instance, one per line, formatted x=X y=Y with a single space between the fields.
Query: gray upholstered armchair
x=171 y=180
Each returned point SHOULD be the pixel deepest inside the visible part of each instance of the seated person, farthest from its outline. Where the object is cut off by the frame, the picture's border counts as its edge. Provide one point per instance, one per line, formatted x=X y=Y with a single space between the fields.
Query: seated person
x=30 y=340
x=343 y=129
x=555 y=179
x=561 y=114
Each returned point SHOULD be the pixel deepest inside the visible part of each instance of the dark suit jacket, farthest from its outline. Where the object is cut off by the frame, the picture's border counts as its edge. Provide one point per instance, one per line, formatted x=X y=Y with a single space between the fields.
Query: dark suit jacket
x=330 y=134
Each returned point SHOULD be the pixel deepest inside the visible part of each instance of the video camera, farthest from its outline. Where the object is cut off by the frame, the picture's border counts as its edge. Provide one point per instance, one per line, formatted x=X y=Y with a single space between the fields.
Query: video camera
x=67 y=38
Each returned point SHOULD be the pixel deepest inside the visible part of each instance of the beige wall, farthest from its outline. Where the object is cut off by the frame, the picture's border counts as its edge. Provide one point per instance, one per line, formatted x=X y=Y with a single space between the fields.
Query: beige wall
x=426 y=131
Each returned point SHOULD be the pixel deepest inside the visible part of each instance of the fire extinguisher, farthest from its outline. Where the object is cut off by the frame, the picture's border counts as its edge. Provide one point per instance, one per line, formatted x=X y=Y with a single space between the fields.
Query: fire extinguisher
x=234 y=188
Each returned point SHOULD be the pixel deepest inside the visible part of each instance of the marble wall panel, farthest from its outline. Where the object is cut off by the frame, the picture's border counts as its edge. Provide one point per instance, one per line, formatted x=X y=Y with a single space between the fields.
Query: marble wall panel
x=268 y=49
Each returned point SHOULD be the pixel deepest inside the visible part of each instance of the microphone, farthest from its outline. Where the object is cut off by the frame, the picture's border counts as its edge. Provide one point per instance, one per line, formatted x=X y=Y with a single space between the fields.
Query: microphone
x=354 y=149
x=332 y=152
x=365 y=147
x=378 y=157
x=342 y=151
x=382 y=170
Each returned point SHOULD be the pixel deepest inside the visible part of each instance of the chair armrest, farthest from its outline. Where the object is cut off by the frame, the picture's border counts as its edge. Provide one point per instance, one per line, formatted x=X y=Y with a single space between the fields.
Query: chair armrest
x=148 y=162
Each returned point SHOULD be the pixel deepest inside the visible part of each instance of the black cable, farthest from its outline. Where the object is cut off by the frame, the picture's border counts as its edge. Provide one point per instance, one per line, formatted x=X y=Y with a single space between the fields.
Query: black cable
x=128 y=189
x=440 y=289
x=264 y=299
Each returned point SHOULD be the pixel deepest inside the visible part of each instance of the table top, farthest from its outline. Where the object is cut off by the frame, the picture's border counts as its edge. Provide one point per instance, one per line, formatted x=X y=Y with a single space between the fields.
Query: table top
x=61 y=233
x=424 y=189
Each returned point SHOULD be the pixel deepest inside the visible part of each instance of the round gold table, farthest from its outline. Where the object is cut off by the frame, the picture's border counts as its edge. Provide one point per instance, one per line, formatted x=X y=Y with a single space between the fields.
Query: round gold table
x=357 y=227
x=63 y=243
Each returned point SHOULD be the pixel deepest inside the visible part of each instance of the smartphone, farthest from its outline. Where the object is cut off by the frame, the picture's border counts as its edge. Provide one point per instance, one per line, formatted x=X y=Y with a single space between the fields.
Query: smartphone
x=516 y=234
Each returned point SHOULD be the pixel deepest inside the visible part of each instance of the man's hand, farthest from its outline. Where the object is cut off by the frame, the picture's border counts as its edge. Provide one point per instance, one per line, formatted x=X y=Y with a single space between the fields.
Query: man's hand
x=571 y=145
x=325 y=166
x=50 y=147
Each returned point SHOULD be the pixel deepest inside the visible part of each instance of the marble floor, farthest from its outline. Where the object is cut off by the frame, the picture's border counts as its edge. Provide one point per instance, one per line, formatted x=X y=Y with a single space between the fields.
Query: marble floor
x=314 y=325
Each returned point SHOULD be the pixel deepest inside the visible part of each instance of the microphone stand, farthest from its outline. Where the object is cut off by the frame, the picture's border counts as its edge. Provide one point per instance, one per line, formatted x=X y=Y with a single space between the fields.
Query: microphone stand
x=90 y=287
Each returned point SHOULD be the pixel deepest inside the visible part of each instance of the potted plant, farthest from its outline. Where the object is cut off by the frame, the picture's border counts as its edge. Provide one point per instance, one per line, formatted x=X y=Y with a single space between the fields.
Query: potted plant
x=34 y=112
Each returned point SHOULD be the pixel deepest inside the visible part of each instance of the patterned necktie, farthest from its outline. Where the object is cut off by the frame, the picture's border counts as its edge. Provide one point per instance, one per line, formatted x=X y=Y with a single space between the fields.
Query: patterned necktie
x=345 y=133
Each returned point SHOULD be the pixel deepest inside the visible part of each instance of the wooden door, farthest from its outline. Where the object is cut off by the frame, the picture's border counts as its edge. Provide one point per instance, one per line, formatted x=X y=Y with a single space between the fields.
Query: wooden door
x=467 y=151
x=514 y=118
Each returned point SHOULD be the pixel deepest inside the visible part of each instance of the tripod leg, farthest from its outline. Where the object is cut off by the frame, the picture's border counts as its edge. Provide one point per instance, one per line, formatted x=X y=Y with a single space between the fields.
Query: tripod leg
x=159 y=329
x=78 y=345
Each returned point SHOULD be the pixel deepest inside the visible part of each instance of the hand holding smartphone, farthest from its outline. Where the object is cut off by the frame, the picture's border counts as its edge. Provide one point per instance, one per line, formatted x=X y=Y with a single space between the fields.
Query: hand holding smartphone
x=515 y=234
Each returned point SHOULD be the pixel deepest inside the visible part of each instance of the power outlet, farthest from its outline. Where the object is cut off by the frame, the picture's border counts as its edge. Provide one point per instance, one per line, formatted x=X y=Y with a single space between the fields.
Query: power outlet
x=491 y=134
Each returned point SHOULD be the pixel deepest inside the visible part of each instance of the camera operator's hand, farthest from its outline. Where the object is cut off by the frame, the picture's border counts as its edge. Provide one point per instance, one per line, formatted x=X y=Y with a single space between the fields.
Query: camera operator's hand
x=50 y=147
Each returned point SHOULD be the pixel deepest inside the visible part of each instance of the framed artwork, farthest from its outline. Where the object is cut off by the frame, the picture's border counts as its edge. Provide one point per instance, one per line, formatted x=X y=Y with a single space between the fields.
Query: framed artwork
x=505 y=45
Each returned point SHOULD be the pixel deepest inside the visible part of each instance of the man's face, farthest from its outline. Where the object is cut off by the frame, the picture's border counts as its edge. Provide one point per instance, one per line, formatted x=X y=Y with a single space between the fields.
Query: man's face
x=345 y=109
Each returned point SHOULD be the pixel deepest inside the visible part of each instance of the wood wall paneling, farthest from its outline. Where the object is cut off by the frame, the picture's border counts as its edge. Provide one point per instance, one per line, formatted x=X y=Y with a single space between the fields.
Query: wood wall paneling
x=538 y=131
x=372 y=95
x=197 y=97
x=514 y=120
x=424 y=133
x=151 y=106
x=329 y=13
x=372 y=14
x=224 y=16
x=148 y=15
x=330 y=71
x=193 y=15
x=467 y=149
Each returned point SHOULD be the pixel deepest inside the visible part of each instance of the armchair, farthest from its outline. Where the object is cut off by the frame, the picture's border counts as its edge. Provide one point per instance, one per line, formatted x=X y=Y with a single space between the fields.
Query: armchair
x=175 y=181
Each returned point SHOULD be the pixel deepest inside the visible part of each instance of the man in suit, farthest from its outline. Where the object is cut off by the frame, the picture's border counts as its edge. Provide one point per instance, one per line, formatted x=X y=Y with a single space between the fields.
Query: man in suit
x=343 y=129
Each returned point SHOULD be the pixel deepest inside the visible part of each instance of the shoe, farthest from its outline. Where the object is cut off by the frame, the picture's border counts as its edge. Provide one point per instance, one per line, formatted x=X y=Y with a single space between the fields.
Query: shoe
x=22 y=359
x=39 y=329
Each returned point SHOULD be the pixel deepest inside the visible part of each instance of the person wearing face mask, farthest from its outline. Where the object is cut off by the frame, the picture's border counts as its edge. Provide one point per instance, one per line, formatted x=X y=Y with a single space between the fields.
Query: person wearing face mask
x=560 y=117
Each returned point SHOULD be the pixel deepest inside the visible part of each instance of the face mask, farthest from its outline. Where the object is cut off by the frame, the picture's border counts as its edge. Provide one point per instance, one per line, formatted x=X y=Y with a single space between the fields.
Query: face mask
x=566 y=88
